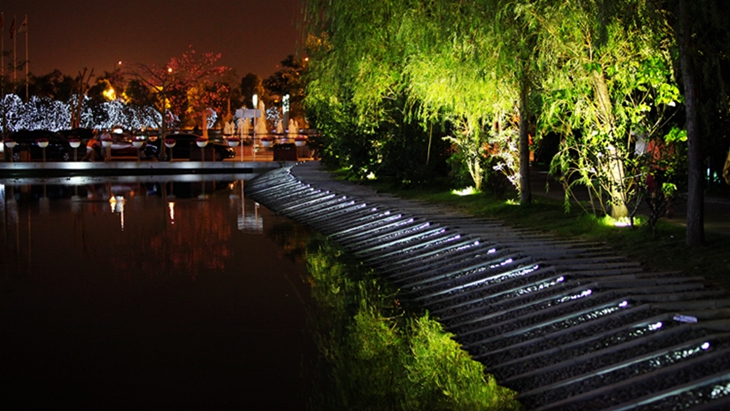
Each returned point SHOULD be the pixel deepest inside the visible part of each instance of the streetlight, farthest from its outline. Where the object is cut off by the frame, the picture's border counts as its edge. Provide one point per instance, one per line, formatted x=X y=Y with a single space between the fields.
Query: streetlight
x=164 y=113
x=74 y=143
x=10 y=144
x=285 y=109
x=138 y=143
x=255 y=100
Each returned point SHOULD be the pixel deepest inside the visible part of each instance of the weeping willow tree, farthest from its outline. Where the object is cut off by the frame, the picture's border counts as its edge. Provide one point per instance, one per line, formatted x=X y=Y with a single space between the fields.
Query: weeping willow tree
x=468 y=65
x=354 y=76
x=377 y=62
x=600 y=74
x=606 y=79
x=451 y=74
x=473 y=64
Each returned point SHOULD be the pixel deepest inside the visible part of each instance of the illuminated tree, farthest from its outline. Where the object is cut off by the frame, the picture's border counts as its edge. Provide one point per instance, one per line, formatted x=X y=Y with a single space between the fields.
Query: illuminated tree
x=98 y=94
x=608 y=79
x=356 y=90
x=451 y=72
x=195 y=87
x=599 y=73
x=439 y=59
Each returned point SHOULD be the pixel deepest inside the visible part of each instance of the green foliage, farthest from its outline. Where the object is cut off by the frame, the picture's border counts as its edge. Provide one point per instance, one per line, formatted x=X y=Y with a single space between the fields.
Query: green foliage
x=378 y=66
x=606 y=80
x=599 y=74
x=444 y=376
x=383 y=356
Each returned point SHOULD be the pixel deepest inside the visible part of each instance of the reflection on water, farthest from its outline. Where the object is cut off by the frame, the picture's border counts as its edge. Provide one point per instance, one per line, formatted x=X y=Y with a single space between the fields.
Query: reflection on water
x=149 y=294
x=380 y=355
x=94 y=207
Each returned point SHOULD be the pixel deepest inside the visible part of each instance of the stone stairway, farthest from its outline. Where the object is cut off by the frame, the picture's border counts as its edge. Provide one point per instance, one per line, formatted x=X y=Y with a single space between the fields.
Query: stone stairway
x=567 y=324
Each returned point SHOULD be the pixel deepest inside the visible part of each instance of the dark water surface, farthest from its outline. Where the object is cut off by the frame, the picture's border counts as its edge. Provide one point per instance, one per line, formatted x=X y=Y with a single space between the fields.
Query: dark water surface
x=148 y=295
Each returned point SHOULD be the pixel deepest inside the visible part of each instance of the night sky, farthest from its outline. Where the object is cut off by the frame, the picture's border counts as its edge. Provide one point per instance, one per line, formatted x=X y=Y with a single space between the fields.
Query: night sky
x=253 y=36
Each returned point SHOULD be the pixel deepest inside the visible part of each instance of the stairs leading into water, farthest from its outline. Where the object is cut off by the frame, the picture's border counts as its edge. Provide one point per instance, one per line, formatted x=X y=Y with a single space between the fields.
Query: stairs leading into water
x=567 y=324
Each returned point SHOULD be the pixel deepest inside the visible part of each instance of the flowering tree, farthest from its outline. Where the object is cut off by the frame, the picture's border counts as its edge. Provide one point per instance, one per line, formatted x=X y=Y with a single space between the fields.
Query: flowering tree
x=194 y=88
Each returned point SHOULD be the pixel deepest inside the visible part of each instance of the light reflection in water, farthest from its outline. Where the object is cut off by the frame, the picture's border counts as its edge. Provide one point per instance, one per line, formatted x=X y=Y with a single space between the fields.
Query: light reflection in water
x=377 y=353
x=159 y=293
x=117 y=207
x=171 y=207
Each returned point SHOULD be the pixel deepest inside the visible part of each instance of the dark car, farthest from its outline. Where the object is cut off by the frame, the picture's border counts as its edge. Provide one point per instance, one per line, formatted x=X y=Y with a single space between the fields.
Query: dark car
x=186 y=147
x=82 y=134
x=123 y=146
x=27 y=146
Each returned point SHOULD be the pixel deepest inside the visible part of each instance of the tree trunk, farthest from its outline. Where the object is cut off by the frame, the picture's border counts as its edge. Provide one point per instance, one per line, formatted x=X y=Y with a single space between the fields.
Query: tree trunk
x=525 y=191
x=162 y=154
x=83 y=83
x=695 y=199
x=205 y=124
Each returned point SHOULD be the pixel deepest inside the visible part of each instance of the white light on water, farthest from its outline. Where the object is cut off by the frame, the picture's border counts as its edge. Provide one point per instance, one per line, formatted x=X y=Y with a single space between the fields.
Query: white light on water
x=171 y=207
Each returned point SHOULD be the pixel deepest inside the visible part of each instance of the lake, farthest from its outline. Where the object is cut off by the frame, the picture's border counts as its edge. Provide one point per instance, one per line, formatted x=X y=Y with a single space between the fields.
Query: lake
x=144 y=293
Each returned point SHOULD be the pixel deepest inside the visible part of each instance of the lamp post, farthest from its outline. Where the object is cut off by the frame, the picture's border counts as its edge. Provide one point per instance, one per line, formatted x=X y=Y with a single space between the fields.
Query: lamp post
x=169 y=144
x=43 y=143
x=10 y=144
x=255 y=100
x=138 y=143
x=164 y=112
x=74 y=143
x=202 y=142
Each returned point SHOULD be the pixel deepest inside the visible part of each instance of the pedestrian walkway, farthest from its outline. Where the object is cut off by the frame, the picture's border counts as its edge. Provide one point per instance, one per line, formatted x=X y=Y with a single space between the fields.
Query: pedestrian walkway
x=120 y=168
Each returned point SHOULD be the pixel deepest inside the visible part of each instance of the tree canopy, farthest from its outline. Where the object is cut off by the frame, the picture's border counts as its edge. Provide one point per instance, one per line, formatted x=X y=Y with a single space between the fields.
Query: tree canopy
x=497 y=76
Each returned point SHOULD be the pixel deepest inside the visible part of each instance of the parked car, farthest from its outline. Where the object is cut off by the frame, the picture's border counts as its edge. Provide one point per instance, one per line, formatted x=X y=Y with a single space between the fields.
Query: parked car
x=122 y=145
x=82 y=134
x=27 y=146
x=126 y=148
x=186 y=147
